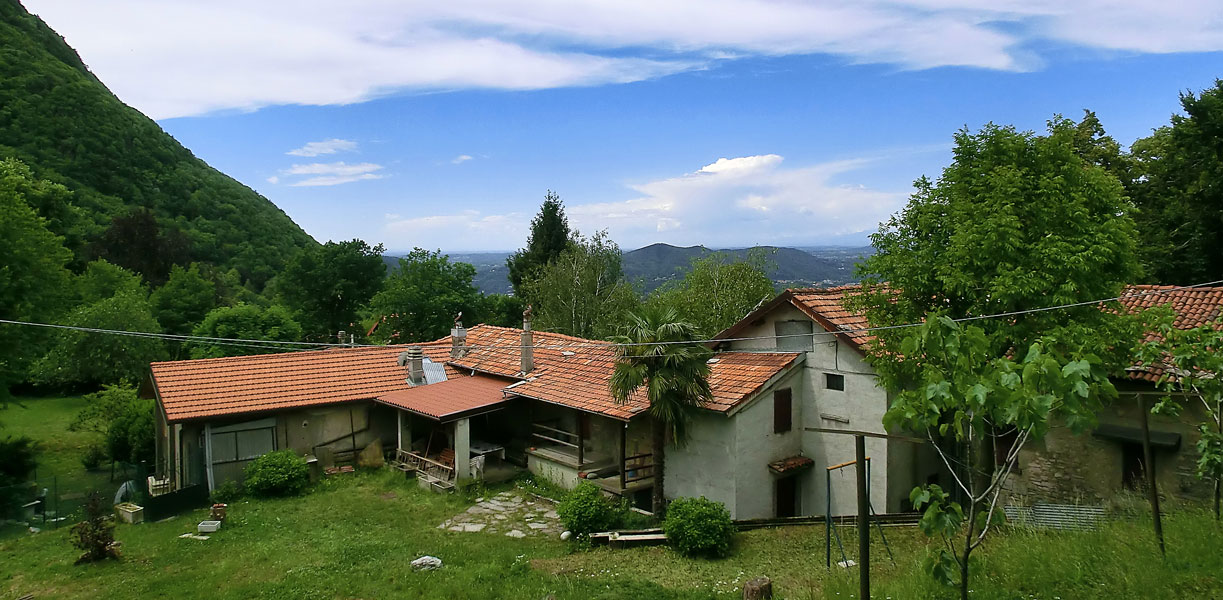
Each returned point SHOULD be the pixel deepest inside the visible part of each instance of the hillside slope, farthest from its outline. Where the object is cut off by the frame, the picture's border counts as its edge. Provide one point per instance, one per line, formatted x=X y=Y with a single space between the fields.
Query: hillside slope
x=657 y=264
x=61 y=121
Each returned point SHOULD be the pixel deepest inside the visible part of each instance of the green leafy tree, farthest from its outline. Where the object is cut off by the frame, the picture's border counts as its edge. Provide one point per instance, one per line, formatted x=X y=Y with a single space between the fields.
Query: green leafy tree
x=326 y=285
x=18 y=459
x=1017 y=221
x=137 y=241
x=245 y=322
x=949 y=385
x=184 y=300
x=422 y=298
x=51 y=201
x=1178 y=187
x=34 y=282
x=502 y=310
x=671 y=375
x=717 y=291
x=582 y=292
x=1192 y=375
x=549 y=237
x=101 y=280
x=79 y=359
x=101 y=408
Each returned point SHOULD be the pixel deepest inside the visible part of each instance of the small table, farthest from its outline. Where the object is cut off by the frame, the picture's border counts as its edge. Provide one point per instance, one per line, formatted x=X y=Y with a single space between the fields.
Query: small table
x=479 y=448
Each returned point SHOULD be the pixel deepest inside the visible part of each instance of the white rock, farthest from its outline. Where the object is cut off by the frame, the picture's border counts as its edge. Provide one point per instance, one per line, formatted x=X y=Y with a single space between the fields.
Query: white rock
x=516 y=534
x=427 y=563
x=565 y=535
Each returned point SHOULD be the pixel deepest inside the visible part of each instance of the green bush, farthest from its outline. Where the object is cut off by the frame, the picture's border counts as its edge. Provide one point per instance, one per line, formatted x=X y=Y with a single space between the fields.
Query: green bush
x=227 y=492
x=280 y=473
x=586 y=510
x=93 y=457
x=699 y=527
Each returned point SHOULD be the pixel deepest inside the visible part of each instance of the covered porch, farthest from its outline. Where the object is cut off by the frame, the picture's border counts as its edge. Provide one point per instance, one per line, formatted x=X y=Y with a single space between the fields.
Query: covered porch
x=441 y=431
x=567 y=446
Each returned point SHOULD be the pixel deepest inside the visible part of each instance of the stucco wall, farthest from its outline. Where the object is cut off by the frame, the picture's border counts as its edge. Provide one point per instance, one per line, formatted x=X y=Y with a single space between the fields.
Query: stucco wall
x=757 y=446
x=705 y=466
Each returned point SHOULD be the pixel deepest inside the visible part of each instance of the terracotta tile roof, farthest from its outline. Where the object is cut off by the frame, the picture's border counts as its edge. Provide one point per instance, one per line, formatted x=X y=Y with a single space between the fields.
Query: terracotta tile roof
x=497 y=350
x=791 y=464
x=450 y=398
x=581 y=381
x=827 y=306
x=1194 y=307
x=191 y=389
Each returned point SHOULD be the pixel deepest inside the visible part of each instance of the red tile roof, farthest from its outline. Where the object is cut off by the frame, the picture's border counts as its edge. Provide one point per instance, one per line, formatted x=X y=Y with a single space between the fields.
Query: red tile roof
x=581 y=381
x=498 y=350
x=827 y=306
x=1193 y=307
x=450 y=398
x=791 y=464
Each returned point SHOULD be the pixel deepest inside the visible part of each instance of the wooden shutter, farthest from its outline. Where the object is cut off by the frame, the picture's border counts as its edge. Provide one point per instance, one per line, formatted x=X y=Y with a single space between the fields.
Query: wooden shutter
x=782 y=411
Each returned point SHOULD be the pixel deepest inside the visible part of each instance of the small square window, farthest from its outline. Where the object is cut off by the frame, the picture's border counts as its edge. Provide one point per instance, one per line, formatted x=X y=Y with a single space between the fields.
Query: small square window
x=833 y=381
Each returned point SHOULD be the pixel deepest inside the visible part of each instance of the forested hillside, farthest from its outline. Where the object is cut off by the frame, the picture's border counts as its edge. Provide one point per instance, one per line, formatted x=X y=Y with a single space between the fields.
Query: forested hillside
x=63 y=123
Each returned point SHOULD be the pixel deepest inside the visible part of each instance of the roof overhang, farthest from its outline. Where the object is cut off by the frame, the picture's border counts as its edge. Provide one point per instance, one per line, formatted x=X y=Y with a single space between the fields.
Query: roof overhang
x=450 y=400
x=786 y=297
x=772 y=381
x=1167 y=440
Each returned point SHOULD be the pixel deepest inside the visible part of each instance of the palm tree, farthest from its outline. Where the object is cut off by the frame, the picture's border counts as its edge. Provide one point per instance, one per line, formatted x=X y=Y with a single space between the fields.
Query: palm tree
x=674 y=376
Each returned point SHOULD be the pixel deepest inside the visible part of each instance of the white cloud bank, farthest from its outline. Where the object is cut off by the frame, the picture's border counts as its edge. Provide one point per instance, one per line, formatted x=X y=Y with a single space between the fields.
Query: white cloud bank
x=330 y=146
x=731 y=202
x=323 y=174
x=177 y=58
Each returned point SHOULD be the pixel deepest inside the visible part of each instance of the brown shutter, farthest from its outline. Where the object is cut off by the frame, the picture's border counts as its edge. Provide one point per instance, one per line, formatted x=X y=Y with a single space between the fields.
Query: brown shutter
x=782 y=411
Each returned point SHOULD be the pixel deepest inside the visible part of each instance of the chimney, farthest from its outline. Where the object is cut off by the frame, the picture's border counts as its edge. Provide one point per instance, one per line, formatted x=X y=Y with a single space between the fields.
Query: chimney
x=342 y=336
x=458 y=338
x=414 y=360
x=528 y=352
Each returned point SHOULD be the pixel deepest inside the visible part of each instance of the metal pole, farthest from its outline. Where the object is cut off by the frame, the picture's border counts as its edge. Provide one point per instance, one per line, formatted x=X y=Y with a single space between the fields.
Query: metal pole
x=1149 y=467
x=864 y=522
x=828 y=519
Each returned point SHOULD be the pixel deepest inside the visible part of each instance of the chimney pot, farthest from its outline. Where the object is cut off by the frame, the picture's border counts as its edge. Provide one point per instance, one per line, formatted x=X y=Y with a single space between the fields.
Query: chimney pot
x=458 y=338
x=414 y=359
x=528 y=342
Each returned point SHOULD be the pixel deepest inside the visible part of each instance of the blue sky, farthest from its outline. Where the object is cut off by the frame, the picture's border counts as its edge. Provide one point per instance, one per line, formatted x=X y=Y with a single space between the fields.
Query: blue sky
x=722 y=122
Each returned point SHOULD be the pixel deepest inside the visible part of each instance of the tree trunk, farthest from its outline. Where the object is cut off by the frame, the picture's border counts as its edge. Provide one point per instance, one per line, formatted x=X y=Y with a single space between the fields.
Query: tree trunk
x=659 y=447
x=760 y=588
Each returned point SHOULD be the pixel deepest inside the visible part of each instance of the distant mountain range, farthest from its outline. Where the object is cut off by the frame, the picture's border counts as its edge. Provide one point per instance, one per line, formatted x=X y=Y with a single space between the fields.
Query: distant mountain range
x=656 y=264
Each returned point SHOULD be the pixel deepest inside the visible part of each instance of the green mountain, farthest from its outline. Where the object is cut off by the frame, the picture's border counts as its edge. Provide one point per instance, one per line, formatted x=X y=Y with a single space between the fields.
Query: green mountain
x=657 y=264
x=131 y=181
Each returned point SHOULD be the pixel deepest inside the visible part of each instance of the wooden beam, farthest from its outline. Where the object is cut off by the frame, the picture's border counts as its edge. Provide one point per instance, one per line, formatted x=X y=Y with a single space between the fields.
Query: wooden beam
x=623 y=461
x=870 y=434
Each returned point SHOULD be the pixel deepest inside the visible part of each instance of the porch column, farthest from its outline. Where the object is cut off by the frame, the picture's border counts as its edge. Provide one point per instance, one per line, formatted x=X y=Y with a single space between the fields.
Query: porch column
x=462 y=448
x=404 y=430
x=208 y=456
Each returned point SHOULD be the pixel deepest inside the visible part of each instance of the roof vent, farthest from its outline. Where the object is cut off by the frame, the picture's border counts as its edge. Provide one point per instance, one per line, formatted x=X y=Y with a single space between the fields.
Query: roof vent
x=458 y=338
x=713 y=361
x=414 y=359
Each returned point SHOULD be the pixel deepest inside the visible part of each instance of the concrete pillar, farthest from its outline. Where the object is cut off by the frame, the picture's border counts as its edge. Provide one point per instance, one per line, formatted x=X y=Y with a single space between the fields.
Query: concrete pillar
x=404 y=430
x=462 y=448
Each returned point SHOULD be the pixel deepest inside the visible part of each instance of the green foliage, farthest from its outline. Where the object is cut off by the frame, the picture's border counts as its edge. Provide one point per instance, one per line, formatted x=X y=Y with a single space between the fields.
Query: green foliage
x=184 y=300
x=94 y=456
x=279 y=473
x=101 y=280
x=422 y=298
x=582 y=291
x=1178 y=187
x=18 y=459
x=502 y=310
x=326 y=285
x=718 y=290
x=585 y=510
x=549 y=237
x=139 y=242
x=131 y=435
x=102 y=407
x=699 y=527
x=673 y=377
x=96 y=534
x=227 y=492
x=246 y=322
x=79 y=359
x=60 y=120
x=33 y=279
x=1017 y=221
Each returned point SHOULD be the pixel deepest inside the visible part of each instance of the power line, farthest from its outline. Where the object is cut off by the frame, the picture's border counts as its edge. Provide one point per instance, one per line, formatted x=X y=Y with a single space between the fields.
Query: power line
x=302 y=346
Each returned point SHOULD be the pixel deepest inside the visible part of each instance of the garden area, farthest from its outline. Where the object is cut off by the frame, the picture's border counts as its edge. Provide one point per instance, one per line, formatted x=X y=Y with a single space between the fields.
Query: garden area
x=355 y=535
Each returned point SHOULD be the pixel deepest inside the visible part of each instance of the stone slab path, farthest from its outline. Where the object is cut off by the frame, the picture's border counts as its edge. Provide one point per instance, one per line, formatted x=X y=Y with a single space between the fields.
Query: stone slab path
x=512 y=514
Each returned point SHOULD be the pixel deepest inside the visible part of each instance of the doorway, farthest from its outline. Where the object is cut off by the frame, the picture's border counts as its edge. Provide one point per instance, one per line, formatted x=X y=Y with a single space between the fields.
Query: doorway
x=787 y=497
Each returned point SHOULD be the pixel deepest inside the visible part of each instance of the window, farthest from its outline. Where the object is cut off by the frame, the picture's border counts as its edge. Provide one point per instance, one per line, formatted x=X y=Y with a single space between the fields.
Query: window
x=782 y=409
x=833 y=381
x=793 y=335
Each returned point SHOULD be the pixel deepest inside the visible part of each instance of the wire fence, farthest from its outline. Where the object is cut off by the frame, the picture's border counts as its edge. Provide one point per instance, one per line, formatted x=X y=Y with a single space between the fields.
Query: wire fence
x=54 y=499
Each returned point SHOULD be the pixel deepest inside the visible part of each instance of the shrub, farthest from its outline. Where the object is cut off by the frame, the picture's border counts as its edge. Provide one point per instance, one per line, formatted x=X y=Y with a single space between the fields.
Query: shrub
x=586 y=510
x=96 y=534
x=18 y=457
x=279 y=473
x=699 y=527
x=93 y=457
x=227 y=492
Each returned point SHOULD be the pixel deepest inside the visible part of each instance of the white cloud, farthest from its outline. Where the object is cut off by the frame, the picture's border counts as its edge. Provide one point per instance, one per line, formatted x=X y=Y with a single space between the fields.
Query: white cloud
x=330 y=146
x=731 y=202
x=273 y=179
x=336 y=173
x=460 y=159
x=173 y=59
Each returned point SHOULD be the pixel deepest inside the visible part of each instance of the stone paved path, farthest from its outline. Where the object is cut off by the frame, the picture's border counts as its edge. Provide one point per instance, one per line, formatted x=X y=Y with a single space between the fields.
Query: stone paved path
x=512 y=514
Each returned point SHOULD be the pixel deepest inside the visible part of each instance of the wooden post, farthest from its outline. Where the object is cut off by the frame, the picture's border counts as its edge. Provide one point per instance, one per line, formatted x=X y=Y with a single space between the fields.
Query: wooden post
x=581 y=453
x=864 y=522
x=623 y=442
x=1149 y=467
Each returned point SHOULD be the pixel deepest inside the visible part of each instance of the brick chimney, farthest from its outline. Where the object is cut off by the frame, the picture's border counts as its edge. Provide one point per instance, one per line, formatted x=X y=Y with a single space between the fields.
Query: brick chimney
x=458 y=338
x=528 y=351
x=414 y=360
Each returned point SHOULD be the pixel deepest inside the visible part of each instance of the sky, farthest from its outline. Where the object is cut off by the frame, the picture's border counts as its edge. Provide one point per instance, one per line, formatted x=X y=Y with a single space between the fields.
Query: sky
x=727 y=123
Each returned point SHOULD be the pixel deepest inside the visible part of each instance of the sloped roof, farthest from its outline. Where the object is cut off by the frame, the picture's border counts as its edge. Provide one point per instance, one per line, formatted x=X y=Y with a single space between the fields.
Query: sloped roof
x=192 y=389
x=581 y=381
x=825 y=306
x=451 y=398
x=498 y=350
x=1194 y=307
